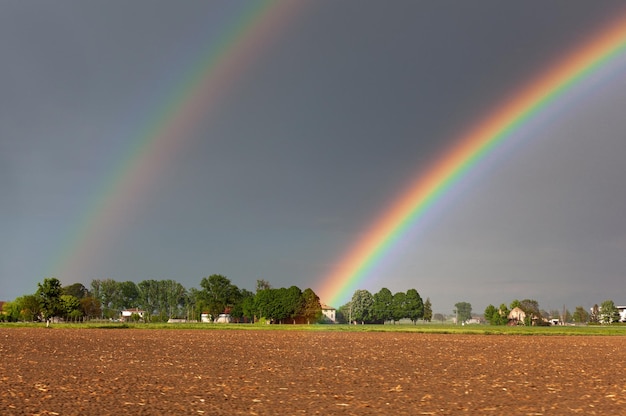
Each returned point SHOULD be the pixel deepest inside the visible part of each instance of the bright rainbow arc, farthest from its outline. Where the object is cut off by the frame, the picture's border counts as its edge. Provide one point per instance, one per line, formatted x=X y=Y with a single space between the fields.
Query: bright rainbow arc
x=471 y=149
x=156 y=142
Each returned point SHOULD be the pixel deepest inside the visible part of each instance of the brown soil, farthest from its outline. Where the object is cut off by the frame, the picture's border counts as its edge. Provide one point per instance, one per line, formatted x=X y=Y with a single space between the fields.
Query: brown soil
x=151 y=372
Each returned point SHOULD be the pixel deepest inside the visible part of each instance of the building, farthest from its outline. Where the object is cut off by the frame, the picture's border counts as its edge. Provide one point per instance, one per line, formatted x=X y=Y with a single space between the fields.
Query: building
x=329 y=314
x=127 y=313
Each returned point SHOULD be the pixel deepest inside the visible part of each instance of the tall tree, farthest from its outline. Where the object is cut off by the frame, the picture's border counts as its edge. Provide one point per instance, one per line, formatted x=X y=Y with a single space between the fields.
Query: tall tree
x=608 y=312
x=580 y=315
x=127 y=295
x=382 y=306
x=362 y=301
x=219 y=293
x=398 y=306
x=49 y=294
x=414 y=305
x=78 y=290
x=463 y=311
x=312 y=308
x=428 y=310
x=491 y=315
x=70 y=306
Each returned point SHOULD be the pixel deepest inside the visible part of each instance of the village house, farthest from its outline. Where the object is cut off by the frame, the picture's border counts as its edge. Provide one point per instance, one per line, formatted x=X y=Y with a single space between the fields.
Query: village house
x=126 y=314
x=329 y=314
x=516 y=317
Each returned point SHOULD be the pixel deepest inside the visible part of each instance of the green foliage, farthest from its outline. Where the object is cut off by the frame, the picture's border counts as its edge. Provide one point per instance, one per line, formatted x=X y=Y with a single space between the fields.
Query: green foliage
x=219 y=293
x=398 y=306
x=78 y=290
x=428 y=310
x=414 y=306
x=70 y=306
x=362 y=302
x=580 y=315
x=49 y=295
x=382 y=306
x=312 y=308
x=463 y=311
x=608 y=312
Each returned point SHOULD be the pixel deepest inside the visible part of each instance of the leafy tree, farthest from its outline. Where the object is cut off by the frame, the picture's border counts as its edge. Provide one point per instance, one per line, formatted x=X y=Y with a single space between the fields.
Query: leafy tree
x=90 y=307
x=149 y=297
x=294 y=303
x=497 y=316
x=398 y=306
x=70 y=306
x=262 y=284
x=343 y=315
x=503 y=311
x=608 y=312
x=439 y=317
x=312 y=308
x=428 y=310
x=382 y=306
x=219 y=293
x=463 y=311
x=362 y=301
x=580 y=315
x=127 y=295
x=11 y=311
x=492 y=315
x=414 y=306
x=78 y=290
x=49 y=295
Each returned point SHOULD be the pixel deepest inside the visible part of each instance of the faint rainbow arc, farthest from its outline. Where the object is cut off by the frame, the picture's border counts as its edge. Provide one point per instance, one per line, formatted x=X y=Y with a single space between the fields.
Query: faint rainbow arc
x=156 y=141
x=469 y=150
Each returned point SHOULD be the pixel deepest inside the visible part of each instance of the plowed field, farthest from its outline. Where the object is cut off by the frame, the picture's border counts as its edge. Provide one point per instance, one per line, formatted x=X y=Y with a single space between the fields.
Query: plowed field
x=219 y=372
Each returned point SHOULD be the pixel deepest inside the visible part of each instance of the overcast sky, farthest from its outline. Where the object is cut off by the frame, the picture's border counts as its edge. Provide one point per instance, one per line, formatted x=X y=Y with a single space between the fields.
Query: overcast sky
x=345 y=106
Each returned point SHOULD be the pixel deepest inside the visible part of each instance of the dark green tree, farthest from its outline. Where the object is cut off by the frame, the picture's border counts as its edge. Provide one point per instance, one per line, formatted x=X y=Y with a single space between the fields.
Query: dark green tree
x=49 y=295
x=492 y=315
x=382 y=306
x=127 y=295
x=414 y=306
x=580 y=315
x=399 y=306
x=78 y=290
x=428 y=310
x=219 y=293
x=312 y=308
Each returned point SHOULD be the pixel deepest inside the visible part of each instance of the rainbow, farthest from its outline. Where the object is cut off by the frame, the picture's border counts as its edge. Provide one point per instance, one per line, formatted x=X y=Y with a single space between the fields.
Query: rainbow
x=509 y=117
x=191 y=100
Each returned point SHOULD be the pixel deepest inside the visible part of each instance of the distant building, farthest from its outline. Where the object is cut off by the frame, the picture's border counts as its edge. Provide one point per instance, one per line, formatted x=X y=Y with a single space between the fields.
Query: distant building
x=329 y=314
x=516 y=317
x=223 y=318
x=127 y=313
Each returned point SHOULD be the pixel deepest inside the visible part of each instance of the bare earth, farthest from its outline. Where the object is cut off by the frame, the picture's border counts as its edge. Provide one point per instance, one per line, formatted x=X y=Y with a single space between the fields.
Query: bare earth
x=211 y=372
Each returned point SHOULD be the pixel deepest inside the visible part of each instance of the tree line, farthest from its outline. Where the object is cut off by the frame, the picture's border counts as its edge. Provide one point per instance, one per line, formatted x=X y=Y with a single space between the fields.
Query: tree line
x=384 y=306
x=606 y=313
x=161 y=300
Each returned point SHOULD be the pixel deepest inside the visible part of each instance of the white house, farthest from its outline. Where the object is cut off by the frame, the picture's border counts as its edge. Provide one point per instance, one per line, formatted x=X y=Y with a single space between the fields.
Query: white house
x=329 y=314
x=127 y=313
